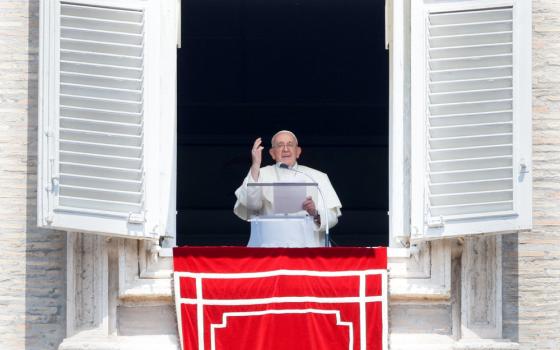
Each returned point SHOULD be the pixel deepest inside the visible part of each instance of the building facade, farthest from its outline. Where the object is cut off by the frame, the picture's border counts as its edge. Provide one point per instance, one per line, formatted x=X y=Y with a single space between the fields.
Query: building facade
x=70 y=290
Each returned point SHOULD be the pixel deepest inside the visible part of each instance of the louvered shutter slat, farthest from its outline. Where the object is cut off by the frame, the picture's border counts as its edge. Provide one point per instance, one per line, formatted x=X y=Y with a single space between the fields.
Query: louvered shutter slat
x=481 y=209
x=101 y=70
x=100 y=171
x=471 y=129
x=471 y=186
x=471 y=28
x=101 y=108
x=101 y=36
x=104 y=115
x=469 y=51
x=100 y=24
x=103 y=160
x=473 y=163
x=477 y=17
x=472 y=84
x=502 y=70
x=443 y=64
x=100 y=92
x=457 y=136
x=100 y=47
x=103 y=126
x=471 y=197
x=100 y=137
x=470 y=118
x=102 y=183
x=96 y=148
x=106 y=59
x=99 y=12
x=455 y=144
x=102 y=81
x=447 y=39
x=470 y=152
x=102 y=104
x=99 y=193
x=471 y=107
x=100 y=206
x=469 y=96
x=487 y=173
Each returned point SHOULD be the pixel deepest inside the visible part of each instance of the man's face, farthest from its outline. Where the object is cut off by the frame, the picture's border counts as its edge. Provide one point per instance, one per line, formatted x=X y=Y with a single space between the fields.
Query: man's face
x=285 y=149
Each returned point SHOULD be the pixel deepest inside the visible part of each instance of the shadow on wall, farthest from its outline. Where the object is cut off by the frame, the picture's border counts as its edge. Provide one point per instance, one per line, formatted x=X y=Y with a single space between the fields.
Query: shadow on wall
x=510 y=286
x=45 y=250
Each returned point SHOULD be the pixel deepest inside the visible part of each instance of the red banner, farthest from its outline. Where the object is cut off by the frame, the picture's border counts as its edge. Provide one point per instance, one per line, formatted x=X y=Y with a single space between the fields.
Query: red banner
x=231 y=298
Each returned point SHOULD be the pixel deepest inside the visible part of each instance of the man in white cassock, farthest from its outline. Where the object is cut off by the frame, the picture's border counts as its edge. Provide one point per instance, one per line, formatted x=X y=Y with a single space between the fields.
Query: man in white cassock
x=257 y=201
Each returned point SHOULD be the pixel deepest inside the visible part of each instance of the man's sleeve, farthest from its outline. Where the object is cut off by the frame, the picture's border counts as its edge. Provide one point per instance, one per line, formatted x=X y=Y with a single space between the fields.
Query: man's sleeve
x=333 y=204
x=249 y=198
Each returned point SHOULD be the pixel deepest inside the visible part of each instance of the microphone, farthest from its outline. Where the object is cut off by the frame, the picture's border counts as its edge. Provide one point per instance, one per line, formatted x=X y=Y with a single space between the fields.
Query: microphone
x=327 y=235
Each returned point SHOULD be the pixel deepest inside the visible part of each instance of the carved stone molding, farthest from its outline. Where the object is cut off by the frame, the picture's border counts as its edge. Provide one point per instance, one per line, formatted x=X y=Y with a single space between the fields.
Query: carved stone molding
x=142 y=279
x=87 y=284
x=481 y=291
x=424 y=276
x=110 y=306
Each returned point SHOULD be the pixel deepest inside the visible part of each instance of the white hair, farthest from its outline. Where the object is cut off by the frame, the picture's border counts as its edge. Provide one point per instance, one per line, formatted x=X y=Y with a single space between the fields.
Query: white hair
x=283 y=132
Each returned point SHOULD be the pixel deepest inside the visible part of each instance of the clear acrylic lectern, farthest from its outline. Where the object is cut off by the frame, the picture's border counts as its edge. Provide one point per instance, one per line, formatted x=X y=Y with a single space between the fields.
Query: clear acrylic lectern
x=277 y=216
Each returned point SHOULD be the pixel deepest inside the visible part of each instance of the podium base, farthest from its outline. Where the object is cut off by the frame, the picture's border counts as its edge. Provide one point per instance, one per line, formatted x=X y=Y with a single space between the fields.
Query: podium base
x=290 y=232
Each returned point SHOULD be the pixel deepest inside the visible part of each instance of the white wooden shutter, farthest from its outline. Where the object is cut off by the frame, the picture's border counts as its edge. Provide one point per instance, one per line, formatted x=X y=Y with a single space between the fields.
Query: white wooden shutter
x=471 y=118
x=99 y=136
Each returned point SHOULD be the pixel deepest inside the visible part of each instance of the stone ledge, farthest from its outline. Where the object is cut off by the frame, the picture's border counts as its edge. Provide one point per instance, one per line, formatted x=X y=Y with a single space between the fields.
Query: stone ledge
x=489 y=344
x=411 y=341
x=144 y=342
x=148 y=290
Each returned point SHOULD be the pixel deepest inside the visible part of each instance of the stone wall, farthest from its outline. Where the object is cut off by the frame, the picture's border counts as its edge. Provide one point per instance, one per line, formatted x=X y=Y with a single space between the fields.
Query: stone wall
x=32 y=261
x=532 y=260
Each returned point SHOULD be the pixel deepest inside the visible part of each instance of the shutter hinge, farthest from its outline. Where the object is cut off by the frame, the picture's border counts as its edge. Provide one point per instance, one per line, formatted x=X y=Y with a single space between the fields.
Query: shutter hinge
x=435 y=222
x=53 y=185
x=136 y=218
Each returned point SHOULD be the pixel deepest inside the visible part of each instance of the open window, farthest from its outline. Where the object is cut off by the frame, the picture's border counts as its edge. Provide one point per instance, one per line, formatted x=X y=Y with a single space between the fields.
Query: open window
x=106 y=125
x=459 y=143
x=249 y=69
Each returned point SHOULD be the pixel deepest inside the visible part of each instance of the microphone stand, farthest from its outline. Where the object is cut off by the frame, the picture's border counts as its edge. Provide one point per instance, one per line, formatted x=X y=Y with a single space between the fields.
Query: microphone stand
x=327 y=235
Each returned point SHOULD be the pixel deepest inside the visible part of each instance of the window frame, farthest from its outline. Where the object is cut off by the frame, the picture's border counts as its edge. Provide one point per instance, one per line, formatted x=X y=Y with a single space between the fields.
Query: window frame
x=399 y=189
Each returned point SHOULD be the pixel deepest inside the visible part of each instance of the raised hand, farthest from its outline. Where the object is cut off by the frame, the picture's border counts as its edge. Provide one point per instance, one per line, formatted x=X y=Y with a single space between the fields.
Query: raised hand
x=256 y=157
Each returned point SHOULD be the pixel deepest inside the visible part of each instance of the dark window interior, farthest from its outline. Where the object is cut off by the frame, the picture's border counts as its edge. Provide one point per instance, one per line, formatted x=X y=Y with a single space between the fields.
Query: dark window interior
x=249 y=68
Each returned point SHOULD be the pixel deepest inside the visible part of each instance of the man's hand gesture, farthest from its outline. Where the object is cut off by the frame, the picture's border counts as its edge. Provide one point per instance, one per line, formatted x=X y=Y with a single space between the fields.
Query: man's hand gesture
x=309 y=207
x=256 y=157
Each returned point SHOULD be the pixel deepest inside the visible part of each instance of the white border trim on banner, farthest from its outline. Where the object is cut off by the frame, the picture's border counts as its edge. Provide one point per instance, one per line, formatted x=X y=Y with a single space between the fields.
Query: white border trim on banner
x=339 y=322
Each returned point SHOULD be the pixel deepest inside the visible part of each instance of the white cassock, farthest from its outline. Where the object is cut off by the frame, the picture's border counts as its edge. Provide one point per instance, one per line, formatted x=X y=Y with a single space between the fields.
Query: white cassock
x=255 y=201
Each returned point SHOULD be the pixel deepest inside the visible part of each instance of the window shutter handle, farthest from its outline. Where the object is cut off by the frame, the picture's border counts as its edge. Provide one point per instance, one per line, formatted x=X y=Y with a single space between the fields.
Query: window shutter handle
x=523 y=168
x=436 y=222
